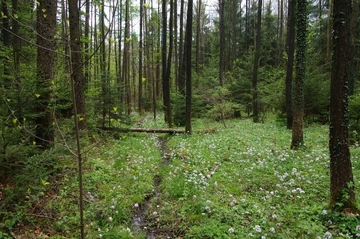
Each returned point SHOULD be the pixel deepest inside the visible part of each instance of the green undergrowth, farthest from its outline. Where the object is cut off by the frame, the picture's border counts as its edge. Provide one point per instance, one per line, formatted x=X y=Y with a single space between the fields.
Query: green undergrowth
x=243 y=181
x=117 y=173
x=232 y=179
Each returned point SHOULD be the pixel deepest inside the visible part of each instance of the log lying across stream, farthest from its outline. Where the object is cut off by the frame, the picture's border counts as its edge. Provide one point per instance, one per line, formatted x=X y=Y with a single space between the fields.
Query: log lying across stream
x=145 y=130
x=150 y=130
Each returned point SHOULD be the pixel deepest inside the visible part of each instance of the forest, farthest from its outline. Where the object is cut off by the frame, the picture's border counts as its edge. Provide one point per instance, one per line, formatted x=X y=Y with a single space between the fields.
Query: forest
x=179 y=119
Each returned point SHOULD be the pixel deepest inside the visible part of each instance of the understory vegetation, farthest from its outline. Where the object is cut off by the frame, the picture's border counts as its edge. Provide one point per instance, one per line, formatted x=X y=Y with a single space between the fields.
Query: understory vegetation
x=231 y=179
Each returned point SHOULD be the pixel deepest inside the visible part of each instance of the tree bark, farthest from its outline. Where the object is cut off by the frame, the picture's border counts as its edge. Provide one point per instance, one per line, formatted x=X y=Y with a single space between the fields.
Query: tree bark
x=342 y=195
x=76 y=61
x=126 y=58
x=188 y=45
x=46 y=29
x=298 y=121
x=181 y=77
x=256 y=64
x=165 y=66
x=140 y=82
x=222 y=41
x=290 y=47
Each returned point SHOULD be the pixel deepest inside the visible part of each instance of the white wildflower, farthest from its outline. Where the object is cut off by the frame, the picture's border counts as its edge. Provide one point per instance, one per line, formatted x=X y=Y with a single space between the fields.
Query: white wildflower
x=272 y=229
x=328 y=235
x=257 y=228
x=231 y=230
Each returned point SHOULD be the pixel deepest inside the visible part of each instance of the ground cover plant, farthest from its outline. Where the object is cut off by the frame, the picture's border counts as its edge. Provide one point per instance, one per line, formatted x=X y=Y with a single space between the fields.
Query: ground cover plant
x=243 y=181
x=232 y=180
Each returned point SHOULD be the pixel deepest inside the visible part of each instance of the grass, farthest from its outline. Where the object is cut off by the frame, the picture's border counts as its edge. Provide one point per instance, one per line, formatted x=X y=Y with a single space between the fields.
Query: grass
x=241 y=181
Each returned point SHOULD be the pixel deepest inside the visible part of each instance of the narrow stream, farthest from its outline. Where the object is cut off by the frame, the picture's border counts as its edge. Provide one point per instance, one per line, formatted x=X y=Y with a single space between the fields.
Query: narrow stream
x=139 y=223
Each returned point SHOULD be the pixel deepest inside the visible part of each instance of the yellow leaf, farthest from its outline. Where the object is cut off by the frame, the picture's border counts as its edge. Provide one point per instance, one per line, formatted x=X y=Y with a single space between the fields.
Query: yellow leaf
x=43 y=10
x=16 y=16
x=111 y=120
x=127 y=39
x=143 y=79
x=19 y=127
x=37 y=95
x=38 y=3
x=34 y=143
x=81 y=118
x=119 y=120
x=8 y=100
x=53 y=123
x=3 y=15
x=24 y=119
x=53 y=82
x=115 y=109
x=44 y=15
x=14 y=121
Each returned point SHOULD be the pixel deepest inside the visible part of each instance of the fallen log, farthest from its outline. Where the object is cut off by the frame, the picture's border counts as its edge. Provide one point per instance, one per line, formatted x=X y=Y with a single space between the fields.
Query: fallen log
x=144 y=130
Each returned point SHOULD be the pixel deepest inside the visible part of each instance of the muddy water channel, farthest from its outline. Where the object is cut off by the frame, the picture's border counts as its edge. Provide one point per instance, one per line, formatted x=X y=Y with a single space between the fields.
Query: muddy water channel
x=140 y=223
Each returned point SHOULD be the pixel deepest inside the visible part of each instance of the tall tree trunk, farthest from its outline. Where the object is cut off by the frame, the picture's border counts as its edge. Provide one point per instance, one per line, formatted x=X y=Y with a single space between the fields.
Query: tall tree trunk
x=103 y=72
x=256 y=64
x=342 y=194
x=222 y=41
x=46 y=29
x=198 y=27
x=298 y=120
x=77 y=66
x=119 y=78
x=290 y=47
x=247 y=27
x=329 y=29
x=188 y=44
x=181 y=76
x=165 y=66
x=126 y=58
x=140 y=82
x=87 y=45
x=281 y=28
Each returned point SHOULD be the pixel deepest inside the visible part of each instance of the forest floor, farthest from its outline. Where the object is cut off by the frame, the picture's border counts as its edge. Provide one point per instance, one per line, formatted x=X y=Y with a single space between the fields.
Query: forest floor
x=236 y=180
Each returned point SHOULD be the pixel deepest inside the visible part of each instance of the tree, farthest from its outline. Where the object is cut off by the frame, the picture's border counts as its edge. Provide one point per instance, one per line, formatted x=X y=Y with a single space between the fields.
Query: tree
x=290 y=47
x=342 y=195
x=126 y=58
x=256 y=64
x=46 y=29
x=76 y=62
x=181 y=77
x=298 y=97
x=188 y=40
x=141 y=56
x=222 y=41
x=166 y=66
